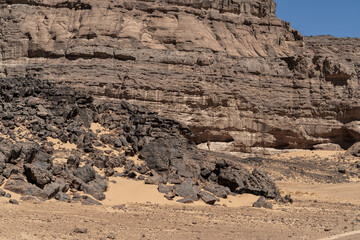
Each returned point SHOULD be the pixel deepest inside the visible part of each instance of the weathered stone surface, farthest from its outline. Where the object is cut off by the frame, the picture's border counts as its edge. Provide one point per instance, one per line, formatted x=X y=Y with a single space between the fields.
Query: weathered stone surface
x=328 y=147
x=354 y=129
x=233 y=72
x=162 y=188
x=187 y=189
x=86 y=173
x=96 y=188
x=24 y=188
x=90 y=201
x=217 y=190
x=37 y=174
x=208 y=198
x=241 y=181
x=354 y=150
x=63 y=197
x=259 y=203
x=214 y=65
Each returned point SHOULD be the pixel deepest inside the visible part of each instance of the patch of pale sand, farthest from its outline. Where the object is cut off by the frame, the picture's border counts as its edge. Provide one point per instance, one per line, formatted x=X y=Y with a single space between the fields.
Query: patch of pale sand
x=309 y=153
x=61 y=157
x=338 y=193
x=131 y=191
x=119 y=169
x=136 y=159
x=104 y=147
x=15 y=196
x=23 y=131
x=99 y=171
x=58 y=145
x=60 y=160
x=240 y=200
x=20 y=133
x=96 y=127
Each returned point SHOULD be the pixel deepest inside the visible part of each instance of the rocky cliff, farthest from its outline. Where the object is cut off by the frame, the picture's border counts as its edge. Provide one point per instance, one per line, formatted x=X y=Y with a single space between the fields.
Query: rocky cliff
x=235 y=73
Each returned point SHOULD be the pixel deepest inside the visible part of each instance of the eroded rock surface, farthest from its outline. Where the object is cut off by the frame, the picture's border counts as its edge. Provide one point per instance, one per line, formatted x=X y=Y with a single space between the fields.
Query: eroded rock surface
x=80 y=141
x=237 y=75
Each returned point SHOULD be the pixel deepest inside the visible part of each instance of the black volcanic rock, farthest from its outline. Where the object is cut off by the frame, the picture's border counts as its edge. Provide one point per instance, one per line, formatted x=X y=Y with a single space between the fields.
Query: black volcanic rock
x=56 y=148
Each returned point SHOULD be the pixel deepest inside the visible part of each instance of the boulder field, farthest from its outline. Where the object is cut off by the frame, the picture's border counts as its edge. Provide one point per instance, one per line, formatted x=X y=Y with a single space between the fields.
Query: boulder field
x=58 y=143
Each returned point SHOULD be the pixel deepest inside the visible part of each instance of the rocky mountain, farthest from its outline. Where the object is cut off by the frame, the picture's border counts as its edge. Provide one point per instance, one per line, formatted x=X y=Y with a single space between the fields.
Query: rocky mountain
x=236 y=74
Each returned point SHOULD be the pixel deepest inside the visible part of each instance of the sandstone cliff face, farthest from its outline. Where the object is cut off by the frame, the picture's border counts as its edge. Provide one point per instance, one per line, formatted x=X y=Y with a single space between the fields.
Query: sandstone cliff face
x=235 y=73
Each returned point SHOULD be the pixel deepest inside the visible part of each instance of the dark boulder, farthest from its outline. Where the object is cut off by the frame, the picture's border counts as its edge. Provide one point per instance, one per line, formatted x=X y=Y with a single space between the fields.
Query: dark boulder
x=51 y=190
x=241 y=181
x=80 y=230
x=208 y=198
x=162 y=188
x=159 y=153
x=90 y=201
x=96 y=188
x=217 y=190
x=187 y=189
x=55 y=188
x=261 y=184
x=24 y=188
x=85 y=173
x=10 y=170
x=38 y=174
x=2 y=162
x=155 y=179
x=260 y=202
x=268 y=205
x=29 y=151
x=342 y=169
x=14 y=201
x=2 y=180
x=187 y=200
x=233 y=178
x=73 y=161
x=62 y=197
x=10 y=150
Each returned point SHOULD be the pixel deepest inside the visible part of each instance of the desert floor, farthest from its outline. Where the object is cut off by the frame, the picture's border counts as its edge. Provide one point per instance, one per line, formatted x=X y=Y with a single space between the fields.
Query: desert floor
x=326 y=206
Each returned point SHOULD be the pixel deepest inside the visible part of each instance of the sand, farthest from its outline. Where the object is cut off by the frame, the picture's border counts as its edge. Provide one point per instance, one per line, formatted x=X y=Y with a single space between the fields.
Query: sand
x=131 y=191
x=58 y=145
x=134 y=210
x=98 y=128
x=336 y=193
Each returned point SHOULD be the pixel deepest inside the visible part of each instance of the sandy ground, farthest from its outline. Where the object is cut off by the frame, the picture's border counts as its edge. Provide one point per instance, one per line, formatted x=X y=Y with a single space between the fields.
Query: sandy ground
x=321 y=209
x=126 y=191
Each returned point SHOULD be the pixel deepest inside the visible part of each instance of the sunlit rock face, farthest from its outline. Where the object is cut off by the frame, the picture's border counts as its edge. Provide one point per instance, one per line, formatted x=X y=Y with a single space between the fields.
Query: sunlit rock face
x=234 y=72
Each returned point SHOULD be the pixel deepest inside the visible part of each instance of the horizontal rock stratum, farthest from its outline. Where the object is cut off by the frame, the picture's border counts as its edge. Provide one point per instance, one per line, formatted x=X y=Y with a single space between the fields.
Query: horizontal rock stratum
x=236 y=74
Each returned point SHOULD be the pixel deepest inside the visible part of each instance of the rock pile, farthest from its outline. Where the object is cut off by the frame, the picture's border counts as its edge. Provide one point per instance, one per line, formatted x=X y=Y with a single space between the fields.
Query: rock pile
x=49 y=148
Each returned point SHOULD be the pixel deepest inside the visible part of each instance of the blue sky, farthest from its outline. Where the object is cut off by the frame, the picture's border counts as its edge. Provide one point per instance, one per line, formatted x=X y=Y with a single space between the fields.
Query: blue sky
x=340 y=18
